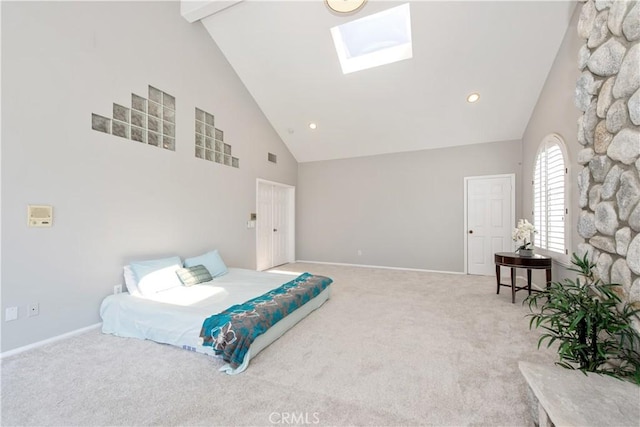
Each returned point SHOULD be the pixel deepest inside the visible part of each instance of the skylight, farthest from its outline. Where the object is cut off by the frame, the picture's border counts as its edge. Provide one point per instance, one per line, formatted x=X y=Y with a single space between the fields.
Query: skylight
x=378 y=39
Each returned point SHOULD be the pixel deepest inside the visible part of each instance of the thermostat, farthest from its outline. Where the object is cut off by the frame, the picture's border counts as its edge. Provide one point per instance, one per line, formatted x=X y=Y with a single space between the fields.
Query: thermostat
x=39 y=216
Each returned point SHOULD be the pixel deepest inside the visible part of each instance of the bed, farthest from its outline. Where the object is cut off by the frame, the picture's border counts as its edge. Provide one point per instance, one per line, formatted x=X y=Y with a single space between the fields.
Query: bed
x=175 y=315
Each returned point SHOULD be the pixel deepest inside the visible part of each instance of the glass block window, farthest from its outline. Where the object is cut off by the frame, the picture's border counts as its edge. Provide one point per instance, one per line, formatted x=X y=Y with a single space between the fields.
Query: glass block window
x=209 y=141
x=149 y=120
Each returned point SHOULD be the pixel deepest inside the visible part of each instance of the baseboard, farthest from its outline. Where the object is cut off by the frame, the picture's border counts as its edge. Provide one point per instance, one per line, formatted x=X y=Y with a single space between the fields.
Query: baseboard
x=381 y=266
x=48 y=341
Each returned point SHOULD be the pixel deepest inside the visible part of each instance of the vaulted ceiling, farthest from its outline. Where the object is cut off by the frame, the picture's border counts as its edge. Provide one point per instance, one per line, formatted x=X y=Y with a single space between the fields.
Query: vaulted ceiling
x=284 y=54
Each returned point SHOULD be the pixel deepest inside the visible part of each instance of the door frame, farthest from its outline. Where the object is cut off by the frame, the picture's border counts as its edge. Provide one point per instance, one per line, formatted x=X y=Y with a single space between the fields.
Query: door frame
x=291 y=243
x=512 y=177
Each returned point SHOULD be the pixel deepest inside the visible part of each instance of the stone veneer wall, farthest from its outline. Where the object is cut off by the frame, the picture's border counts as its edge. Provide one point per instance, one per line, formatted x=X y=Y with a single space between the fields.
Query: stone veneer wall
x=609 y=185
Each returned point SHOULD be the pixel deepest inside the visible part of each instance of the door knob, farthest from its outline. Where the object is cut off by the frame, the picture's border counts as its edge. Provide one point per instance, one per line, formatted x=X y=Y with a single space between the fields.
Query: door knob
x=470 y=231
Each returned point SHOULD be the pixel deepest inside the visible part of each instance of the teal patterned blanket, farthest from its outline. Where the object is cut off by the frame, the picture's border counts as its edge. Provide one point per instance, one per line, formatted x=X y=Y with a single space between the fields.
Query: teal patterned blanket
x=231 y=332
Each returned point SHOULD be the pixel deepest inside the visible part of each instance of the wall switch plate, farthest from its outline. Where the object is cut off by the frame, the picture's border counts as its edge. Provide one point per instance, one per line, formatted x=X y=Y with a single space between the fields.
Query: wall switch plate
x=117 y=289
x=34 y=309
x=11 y=313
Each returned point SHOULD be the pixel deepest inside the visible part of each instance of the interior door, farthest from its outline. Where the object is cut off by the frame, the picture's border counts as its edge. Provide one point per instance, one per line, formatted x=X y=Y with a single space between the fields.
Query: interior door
x=280 y=220
x=264 y=229
x=274 y=225
x=490 y=218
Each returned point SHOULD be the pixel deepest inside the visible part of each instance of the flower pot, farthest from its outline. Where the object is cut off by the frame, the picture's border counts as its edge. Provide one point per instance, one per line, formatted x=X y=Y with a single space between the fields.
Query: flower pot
x=526 y=252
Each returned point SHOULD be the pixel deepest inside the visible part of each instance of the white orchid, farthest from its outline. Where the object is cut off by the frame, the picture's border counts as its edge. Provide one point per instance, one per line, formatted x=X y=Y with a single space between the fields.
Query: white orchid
x=523 y=233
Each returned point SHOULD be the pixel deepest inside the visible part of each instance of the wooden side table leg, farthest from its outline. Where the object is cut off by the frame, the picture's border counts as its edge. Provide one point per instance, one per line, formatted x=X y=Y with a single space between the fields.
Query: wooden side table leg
x=513 y=285
x=529 y=280
x=548 y=278
x=498 y=278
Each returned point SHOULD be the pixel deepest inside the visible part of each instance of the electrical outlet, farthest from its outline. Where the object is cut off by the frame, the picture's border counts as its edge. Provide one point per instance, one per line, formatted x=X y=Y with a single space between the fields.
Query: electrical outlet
x=34 y=309
x=11 y=313
x=359 y=252
x=117 y=289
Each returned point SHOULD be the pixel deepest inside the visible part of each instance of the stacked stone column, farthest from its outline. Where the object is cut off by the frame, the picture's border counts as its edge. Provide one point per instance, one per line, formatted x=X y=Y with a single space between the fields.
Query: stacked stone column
x=608 y=93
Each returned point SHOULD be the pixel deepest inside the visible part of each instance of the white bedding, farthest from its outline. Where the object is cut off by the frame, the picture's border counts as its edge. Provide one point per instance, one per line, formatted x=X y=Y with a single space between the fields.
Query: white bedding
x=175 y=316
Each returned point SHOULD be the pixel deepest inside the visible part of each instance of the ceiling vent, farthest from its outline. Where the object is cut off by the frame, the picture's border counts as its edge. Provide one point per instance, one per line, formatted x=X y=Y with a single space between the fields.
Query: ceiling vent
x=272 y=158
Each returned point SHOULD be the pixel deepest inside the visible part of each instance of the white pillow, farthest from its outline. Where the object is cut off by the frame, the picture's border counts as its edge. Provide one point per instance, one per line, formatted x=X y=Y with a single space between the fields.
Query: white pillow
x=212 y=262
x=130 y=281
x=156 y=275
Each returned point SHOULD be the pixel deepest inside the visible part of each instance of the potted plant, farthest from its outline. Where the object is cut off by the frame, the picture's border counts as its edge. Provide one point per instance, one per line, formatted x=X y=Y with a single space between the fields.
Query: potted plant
x=591 y=324
x=522 y=233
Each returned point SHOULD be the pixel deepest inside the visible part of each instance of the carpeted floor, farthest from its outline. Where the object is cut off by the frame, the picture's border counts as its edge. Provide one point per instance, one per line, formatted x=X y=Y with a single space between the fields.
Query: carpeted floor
x=389 y=348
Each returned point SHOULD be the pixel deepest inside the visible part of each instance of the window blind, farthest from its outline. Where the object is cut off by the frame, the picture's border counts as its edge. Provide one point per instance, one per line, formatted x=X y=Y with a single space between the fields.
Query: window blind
x=549 y=199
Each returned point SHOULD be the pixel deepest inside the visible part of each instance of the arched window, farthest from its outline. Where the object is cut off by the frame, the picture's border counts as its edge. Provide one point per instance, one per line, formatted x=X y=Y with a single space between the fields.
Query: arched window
x=549 y=198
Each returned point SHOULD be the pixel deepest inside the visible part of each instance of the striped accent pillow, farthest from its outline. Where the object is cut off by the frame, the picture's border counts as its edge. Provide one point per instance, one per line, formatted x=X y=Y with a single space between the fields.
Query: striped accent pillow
x=190 y=276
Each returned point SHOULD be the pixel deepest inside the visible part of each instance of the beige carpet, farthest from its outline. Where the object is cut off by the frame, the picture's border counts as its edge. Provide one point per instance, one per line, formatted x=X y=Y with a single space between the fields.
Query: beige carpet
x=389 y=348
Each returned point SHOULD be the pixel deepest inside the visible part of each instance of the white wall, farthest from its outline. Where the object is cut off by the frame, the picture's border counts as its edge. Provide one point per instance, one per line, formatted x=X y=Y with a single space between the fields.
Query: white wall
x=400 y=210
x=115 y=200
x=555 y=112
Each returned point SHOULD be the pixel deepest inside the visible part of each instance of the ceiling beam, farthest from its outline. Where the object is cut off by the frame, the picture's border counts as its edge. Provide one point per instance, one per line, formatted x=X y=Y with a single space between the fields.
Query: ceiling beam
x=195 y=10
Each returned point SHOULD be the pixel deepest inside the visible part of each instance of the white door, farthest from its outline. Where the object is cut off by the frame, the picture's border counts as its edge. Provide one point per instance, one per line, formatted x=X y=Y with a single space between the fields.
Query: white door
x=490 y=218
x=274 y=225
x=264 y=221
x=280 y=221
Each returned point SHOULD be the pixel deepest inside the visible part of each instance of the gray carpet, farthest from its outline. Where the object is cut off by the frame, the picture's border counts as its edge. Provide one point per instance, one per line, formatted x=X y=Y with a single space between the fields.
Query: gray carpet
x=389 y=348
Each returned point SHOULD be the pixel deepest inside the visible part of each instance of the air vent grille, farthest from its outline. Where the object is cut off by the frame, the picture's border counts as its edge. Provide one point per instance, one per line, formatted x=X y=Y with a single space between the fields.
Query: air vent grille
x=272 y=158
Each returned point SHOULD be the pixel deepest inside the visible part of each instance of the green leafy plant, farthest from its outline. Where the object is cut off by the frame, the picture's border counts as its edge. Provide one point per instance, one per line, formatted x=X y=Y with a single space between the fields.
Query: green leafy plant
x=590 y=322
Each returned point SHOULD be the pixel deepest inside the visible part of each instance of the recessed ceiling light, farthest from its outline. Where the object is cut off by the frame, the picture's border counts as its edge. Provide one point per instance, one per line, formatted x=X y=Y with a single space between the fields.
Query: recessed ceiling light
x=312 y=126
x=474 y=97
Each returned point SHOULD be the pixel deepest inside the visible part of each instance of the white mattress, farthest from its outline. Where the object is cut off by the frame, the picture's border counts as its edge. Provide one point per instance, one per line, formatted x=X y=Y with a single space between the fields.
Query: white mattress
x=175 y=316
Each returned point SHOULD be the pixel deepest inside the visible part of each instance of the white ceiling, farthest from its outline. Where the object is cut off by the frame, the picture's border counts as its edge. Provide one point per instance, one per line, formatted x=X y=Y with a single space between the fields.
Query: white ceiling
x=284 y=54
